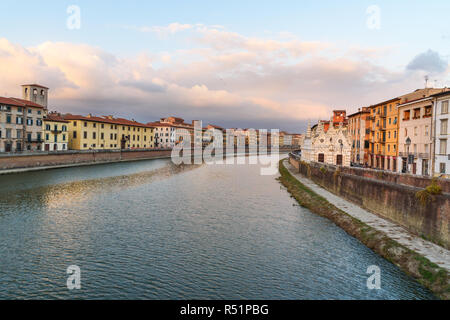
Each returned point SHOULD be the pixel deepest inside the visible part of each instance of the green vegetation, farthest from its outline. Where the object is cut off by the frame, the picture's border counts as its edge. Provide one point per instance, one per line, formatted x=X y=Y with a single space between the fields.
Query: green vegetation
x=426 y=195
x=427 y=273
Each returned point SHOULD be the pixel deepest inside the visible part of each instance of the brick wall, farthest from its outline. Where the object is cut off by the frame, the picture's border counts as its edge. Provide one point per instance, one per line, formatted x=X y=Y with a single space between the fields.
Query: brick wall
x=389 y=196
x=75 y=157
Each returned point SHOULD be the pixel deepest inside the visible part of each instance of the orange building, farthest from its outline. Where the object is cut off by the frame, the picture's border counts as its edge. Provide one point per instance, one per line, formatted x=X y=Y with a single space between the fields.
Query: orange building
x=359 y=133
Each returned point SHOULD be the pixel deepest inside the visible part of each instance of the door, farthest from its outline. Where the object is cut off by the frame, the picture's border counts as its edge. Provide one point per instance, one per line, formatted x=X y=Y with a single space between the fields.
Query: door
x=339 y=160
x=55 y=147
x=404 y=165
x=8 y=147
x=47 y=147
x=414 y=170
x=424 y=167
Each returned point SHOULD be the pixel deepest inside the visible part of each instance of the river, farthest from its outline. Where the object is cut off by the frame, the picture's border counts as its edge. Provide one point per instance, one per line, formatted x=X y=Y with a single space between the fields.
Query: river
x=148 y=230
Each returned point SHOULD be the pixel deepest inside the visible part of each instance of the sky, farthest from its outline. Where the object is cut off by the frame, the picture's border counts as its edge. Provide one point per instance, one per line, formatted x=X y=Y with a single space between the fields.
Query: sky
x=247 y=64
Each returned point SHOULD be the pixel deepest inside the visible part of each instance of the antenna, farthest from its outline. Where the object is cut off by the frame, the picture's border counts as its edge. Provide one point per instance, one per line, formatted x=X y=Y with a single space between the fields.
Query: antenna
x=426 y=81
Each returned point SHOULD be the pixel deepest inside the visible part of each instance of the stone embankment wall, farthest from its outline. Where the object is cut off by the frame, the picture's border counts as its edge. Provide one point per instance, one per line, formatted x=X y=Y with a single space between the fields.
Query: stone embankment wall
x=72 y=157
x=49 y=159
x=388 y=195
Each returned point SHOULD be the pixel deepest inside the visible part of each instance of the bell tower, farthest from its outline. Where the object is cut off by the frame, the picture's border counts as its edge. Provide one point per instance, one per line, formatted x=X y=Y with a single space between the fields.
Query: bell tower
x=35 y=93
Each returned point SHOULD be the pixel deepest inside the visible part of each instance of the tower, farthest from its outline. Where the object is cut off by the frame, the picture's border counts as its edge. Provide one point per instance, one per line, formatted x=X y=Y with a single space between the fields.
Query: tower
x=35 y=93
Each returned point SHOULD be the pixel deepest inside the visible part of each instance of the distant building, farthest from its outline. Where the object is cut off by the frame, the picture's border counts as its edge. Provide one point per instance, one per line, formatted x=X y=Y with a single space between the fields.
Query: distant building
x=21 y=120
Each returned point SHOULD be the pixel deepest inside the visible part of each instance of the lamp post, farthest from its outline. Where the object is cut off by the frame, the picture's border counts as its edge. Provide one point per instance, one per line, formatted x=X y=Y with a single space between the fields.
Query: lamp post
x=342 y=155
x=407 y=143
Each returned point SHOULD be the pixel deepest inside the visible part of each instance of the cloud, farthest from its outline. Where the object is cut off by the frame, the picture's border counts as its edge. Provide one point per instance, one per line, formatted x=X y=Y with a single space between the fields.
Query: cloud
x=223 y=78
x=429 y=61
x=162 y=31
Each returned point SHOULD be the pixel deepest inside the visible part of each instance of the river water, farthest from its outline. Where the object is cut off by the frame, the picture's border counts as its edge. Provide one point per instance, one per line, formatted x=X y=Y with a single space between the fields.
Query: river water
x=149 y=230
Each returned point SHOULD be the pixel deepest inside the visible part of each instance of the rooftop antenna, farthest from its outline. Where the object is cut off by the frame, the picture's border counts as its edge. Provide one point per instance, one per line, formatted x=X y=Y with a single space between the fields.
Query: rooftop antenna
x=426 y=81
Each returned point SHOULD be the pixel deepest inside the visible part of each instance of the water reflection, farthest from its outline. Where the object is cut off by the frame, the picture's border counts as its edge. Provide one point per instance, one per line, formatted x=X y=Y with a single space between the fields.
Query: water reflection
x=164 y=232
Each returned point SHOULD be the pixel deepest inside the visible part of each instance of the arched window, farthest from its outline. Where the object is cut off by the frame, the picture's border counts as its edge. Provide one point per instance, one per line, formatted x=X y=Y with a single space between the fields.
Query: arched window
x=35 y=92
x=26 y=91
x=42 y=93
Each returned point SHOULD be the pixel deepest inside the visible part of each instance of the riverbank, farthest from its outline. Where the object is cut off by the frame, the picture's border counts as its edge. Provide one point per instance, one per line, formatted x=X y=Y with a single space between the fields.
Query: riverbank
x=433 y=276
x=17 y=163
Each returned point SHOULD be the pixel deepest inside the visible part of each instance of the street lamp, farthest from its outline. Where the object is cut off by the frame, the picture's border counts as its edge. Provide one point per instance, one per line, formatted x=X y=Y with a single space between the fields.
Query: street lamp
x=342 y=146
x=408 y=143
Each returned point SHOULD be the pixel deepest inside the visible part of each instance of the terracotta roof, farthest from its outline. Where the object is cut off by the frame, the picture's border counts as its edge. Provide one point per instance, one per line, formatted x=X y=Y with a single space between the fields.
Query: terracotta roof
x=55 y=117
x=105 y=119
x=19 y=102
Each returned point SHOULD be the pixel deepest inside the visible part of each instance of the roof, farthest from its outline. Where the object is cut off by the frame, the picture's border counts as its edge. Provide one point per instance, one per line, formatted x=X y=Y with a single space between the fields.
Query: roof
x=34 y=85
x=444 y=93
x=358 y=112
x=55 y=117
x=106 y=119
x=385 y=102
x=19 y=102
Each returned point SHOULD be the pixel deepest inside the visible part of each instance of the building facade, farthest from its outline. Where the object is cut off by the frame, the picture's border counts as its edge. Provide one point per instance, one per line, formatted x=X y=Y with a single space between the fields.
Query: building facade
x=55 y=133
x=108 y=133
x=332 y=146
x=441 y=135
x=359 y=133
x=384 y=135
x=21 y=120
x=415 y=140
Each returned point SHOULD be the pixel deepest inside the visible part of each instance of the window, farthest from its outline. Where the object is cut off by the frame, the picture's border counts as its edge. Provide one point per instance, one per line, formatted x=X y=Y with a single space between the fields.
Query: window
x=85 y=134
x=8 y=118
x=442 y=168
x=74 y=134
x=426 y=130
x=443 y=146
x=29 y=121
x=74 y=123
x=102 y=136
x=64 y=128
x=85 y=124
x=444 y=126
x=29 y=111
x=64 y=137
x=406 y=115
x=94 y=125
x=444 y=107
x=47 y=127
x=85 y=145
x=19 y=120
x=94 y=135
x=416 y=113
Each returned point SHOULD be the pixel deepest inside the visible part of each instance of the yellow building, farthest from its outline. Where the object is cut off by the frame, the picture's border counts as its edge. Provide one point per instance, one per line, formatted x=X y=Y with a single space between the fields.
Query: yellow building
x=384 y=135
x=55 y=133
x=108 y=133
